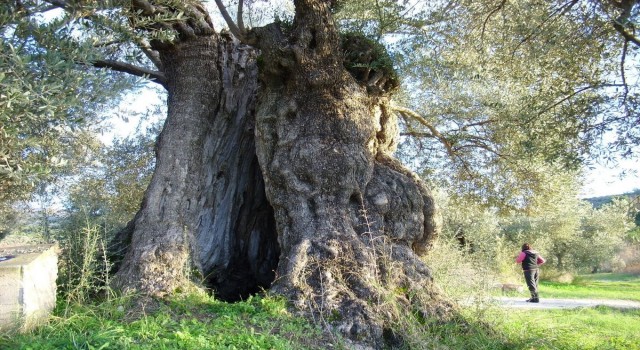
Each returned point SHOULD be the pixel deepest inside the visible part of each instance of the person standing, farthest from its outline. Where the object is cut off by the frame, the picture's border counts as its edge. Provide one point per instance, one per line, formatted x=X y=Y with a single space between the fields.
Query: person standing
x=531 y=261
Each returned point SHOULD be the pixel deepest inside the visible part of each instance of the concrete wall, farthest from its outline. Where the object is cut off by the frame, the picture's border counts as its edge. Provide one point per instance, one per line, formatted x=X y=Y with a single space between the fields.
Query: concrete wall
x=27 y=286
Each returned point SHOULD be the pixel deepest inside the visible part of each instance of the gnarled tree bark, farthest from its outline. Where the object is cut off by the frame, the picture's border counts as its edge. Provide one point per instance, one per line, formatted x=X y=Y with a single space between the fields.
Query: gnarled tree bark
x=344 y=222
x=350 y=218
x=205 y=211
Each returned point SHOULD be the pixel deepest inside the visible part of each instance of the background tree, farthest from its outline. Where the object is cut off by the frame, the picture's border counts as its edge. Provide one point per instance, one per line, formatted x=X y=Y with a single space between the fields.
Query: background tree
x=602 y=235
x=99 y=205
x=49 y=104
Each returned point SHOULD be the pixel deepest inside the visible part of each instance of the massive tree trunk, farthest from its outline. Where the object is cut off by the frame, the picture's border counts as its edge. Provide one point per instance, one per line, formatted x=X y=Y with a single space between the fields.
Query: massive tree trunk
x=205 y=211
x=344 y=222
x=350 y=217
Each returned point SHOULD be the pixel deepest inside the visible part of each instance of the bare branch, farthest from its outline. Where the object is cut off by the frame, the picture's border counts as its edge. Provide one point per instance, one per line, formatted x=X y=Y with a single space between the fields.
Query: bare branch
x=153 y=56
x=453 y=149
x=240 y=21
x=434 y=132
x=232 y=26
x=622 y=73
x=575 y=93
x=471 y=125
x=407 y=113
x=486 y=20
x=155 y=76
x=417 y=134
x=147 y=9
x=479 y=142
x=629 y=37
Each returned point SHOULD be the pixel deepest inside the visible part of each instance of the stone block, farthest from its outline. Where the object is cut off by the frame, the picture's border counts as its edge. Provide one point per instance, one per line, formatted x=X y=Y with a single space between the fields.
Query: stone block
x=27 y=285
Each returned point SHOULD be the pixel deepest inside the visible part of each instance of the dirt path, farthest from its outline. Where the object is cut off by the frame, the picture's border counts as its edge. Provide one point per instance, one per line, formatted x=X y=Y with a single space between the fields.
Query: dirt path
x=520 y=303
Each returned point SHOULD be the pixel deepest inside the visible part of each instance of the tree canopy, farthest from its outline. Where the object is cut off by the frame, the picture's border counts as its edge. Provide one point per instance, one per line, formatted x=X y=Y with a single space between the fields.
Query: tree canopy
x=495 y=96
x=504 y=94
x=50 y=100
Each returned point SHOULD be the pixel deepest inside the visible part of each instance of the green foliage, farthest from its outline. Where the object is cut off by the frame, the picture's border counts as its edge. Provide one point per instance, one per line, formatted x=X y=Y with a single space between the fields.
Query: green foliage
x=84 y=267
x=572 y=236
x=99 y=205
x=196 y=321
x=505 y=101
x=48 y=97
x=111 y=193
x=375 y=18
x=462 y=275
x=8 y=220
x=567 y=231
x=488 y=327
x=365 y=58
x=602 y=235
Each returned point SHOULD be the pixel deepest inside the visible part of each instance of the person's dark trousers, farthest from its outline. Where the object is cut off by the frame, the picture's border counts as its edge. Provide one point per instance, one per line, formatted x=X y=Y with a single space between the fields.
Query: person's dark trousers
x=531 y=276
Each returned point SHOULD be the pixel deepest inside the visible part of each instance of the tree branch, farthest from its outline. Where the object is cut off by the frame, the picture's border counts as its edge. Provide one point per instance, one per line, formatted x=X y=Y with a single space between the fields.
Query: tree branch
x=479 y=142
x=622 y=73
x=417 y=134
x=59 y=3
x=451 y=149
x=239 y=20
x=153 y=56
x=20 y=11
x=73 y=8
x=577 y=92
x=627 y=36
x=147 y=8
x=155 y=76
x=486 y=20
x=237 y=32
x=471 y=125
x=619 y=23
x=562 y=10
x=406 y=112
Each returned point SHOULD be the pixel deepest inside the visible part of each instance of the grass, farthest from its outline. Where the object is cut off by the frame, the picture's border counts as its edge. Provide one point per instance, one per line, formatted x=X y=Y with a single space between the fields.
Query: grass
x=579 y=329
x=597 y=328
x=595 y=286
x=192 y=322
x=200 y=322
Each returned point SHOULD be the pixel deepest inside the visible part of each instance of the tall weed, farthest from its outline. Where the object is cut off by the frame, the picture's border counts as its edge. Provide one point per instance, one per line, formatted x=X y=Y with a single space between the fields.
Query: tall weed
x=84 y=267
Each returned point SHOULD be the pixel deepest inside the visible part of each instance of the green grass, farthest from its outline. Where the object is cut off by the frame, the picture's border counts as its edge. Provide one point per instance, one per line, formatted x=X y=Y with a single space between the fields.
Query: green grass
x=598 y=328
x=201 y=322
x=193 y=322
x=595 y=286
